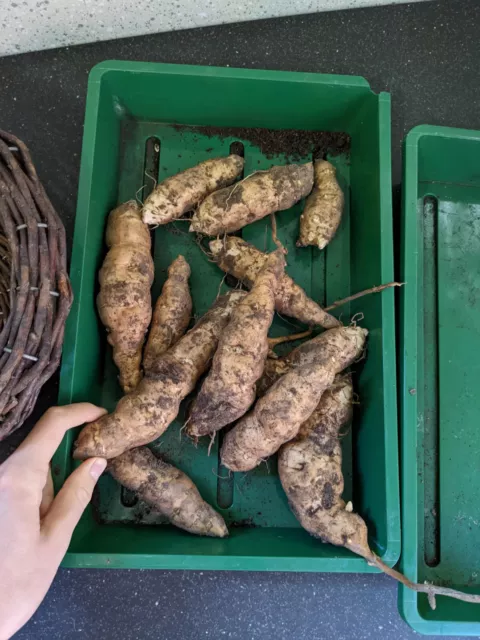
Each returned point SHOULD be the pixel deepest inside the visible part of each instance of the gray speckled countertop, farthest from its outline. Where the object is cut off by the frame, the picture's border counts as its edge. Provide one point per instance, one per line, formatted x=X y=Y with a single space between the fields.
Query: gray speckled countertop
x=426 y=55
x=30 y=25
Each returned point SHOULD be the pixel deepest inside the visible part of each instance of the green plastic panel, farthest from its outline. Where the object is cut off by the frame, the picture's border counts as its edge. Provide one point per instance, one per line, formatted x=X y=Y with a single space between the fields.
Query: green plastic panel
x=133 y=108
x=440 y=371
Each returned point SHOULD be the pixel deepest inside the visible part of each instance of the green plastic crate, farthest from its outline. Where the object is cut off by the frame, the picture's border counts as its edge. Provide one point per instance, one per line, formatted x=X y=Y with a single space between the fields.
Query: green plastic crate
x=127 y=105
x=440 y=371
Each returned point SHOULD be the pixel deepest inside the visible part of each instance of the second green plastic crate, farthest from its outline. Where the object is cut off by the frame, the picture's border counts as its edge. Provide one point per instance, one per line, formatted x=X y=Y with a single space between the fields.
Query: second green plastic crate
x=440 y=373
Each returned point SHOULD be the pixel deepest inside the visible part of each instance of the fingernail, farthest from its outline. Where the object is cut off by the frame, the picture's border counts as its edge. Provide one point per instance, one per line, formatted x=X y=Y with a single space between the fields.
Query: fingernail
x=97 y=468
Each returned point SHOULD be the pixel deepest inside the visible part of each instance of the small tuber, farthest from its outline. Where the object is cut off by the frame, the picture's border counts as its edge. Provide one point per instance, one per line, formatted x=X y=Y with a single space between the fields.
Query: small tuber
x=168 y=490
x=171 y=315
x=323 y=208
x=176 y=195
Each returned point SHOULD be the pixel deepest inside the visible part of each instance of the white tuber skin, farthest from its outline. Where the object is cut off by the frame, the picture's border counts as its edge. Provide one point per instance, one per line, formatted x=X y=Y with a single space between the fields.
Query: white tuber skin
x=255 y=197
x=323 y=208
x=124 y=301
x=229 y=389
x=168 y=490
x=173 y=197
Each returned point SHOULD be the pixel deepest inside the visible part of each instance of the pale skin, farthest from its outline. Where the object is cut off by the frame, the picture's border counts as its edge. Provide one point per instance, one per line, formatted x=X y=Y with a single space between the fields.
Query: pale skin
x=36 y=527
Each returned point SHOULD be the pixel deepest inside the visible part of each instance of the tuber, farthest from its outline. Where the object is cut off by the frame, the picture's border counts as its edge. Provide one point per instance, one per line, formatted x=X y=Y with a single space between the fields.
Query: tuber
x=255 y=197
x=171 y=314
x=176 y=195
x=323 y=208
x=318 y=349
x=144 y=414
x=229 y=389
x=124 y=301
x=310 y=470
x=278 y=415
x=168 y=490
x=244 y=261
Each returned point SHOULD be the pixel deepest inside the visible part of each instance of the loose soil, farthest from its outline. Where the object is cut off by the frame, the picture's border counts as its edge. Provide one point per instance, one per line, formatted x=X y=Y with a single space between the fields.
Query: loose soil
x=294 y=144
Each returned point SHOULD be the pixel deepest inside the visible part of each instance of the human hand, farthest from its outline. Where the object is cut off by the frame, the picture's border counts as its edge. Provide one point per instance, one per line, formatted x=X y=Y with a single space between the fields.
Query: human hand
x=35 y=527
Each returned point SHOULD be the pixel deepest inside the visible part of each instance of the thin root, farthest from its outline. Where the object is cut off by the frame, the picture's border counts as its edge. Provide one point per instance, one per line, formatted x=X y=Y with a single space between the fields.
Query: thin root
x=221 y=477
x=273 y=342
x=274 y=235
x=140 y=202
x=358 y=317
x=365 y=292
x=183 y=427
x=220 y=286
x=430 y=589
x=212 y=440
x=152 y=178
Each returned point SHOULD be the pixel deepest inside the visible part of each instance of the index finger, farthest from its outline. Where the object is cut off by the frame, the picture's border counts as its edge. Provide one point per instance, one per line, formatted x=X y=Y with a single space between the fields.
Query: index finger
x=42 y=442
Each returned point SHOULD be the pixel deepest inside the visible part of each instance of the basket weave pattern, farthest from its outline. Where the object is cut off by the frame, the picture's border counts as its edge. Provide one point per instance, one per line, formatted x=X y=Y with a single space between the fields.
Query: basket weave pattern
x=35 y=291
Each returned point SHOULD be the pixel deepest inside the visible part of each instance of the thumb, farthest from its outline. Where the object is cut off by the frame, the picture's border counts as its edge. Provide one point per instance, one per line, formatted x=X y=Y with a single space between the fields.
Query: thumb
x=67 y=508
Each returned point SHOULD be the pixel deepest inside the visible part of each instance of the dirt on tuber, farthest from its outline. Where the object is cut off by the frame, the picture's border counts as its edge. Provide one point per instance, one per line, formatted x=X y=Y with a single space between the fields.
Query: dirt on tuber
x=255 y=197
x=244 y=261
x=144 y=414
x=310 y=470
x=176 y=195
x=229 y=389
x=320 y=349
x=278 y=415
x=124 y=301
x=323 y=208
x=168 y=490
x=171 y=315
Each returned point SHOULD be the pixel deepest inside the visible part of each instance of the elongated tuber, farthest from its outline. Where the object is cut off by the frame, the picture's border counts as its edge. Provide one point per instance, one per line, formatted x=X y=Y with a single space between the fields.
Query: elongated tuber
x=171 y=314
x=319 y=349
x=244 y=261
x=323 y=208
x=144 y=414
x=278 y=415
x=168 y=490
x=253 y=198
x=310 y=470
x=124 y=301
x=173 y=197
x=229 y=389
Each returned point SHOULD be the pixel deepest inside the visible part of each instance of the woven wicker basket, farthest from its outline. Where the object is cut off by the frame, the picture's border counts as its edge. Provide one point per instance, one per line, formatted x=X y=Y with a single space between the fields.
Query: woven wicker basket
x=35 y=292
